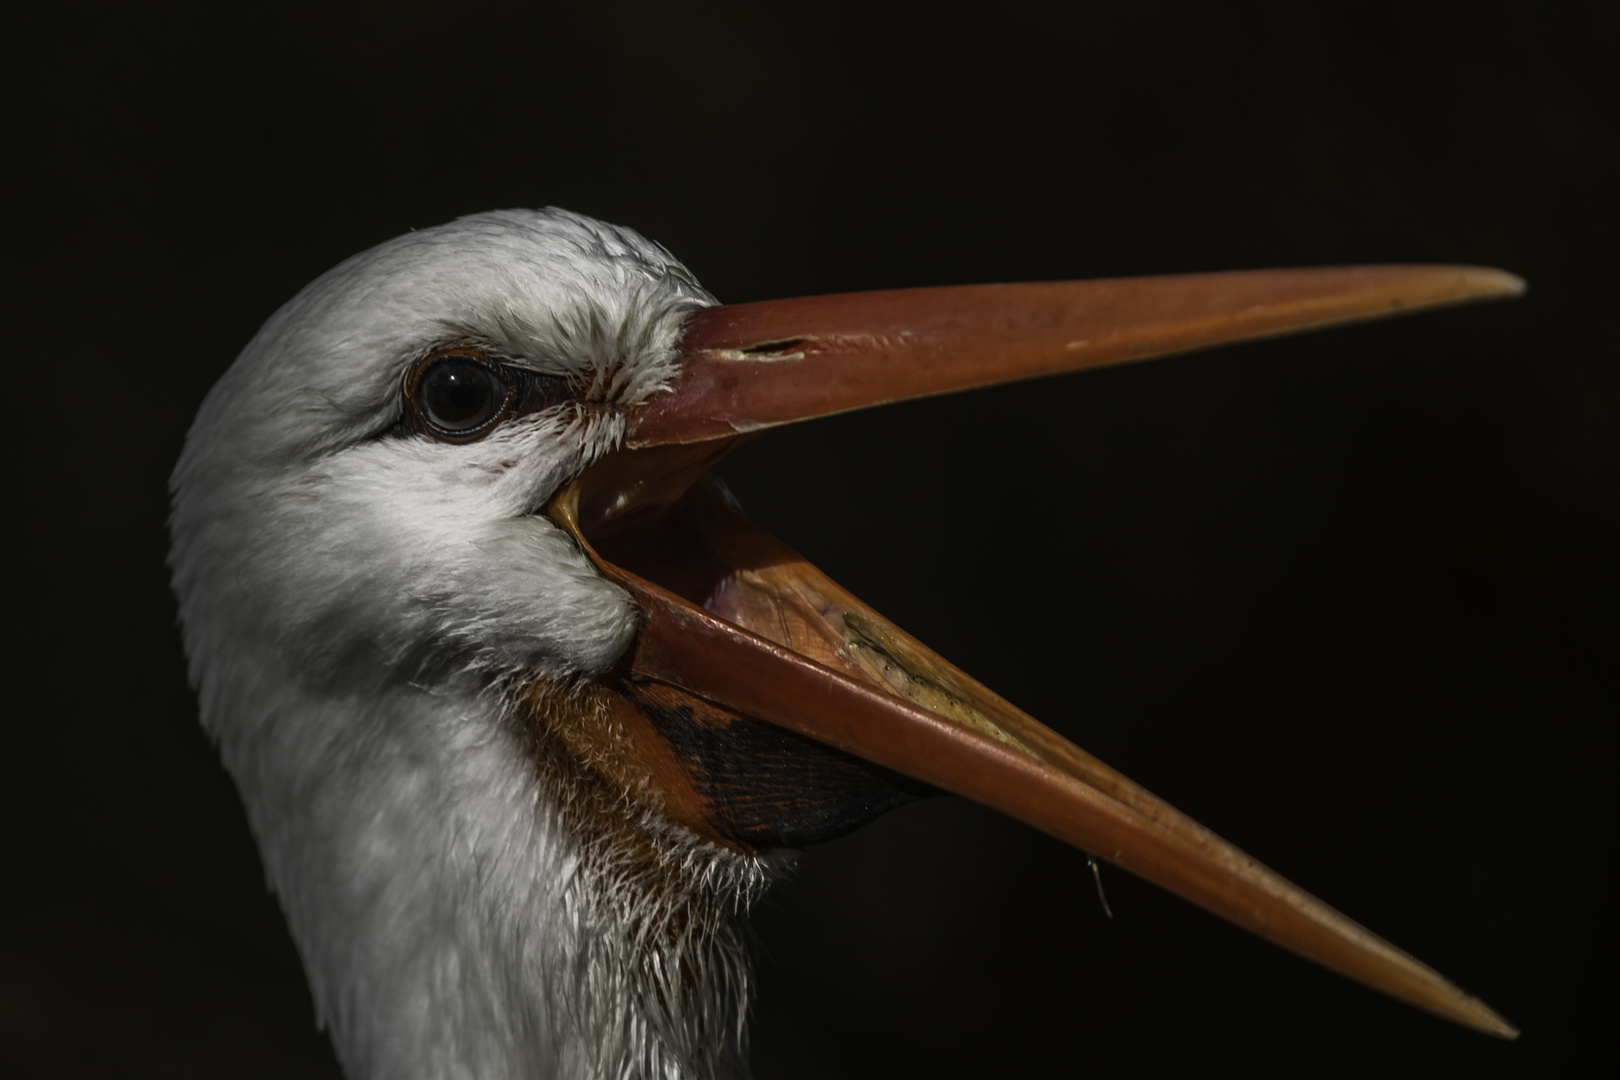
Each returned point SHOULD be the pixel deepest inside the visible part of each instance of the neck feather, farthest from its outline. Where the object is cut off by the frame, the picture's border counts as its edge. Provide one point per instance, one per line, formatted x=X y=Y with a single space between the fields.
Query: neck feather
x=471 y=901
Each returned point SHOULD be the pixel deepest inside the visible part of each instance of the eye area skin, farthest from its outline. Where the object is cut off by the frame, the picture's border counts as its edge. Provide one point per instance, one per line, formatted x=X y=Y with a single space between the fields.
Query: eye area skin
x=460 y=395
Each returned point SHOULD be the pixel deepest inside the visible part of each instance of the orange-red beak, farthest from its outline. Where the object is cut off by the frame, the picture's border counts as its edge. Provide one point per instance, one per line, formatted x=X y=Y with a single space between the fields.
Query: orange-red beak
x=741 y=635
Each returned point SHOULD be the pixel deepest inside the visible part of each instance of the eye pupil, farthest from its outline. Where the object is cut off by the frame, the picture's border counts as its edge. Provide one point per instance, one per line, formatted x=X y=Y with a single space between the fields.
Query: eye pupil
x=460 y=395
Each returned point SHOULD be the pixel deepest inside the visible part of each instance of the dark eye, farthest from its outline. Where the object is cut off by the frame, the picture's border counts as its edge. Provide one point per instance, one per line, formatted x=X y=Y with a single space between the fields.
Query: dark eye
x=458 y=395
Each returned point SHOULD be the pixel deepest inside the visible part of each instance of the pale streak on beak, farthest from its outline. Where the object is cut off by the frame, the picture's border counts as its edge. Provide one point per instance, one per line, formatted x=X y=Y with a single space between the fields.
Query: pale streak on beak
x=770 y=638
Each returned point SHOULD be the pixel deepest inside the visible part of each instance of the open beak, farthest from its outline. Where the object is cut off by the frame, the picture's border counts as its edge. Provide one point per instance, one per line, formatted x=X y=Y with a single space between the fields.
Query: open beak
x=739 y=631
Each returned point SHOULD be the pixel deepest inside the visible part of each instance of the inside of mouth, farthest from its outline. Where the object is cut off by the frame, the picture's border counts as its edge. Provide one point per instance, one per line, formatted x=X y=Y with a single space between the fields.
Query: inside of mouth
x=698 y=545
x=654 y=513
x=760 y=786
x=673 y=547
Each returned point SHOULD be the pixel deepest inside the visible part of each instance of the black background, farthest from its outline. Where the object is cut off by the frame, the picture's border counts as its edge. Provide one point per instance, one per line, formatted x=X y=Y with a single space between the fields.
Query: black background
x=1349 y=599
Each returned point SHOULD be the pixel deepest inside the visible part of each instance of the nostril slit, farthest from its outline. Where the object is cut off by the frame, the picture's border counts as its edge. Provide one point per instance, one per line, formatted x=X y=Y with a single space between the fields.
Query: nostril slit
x=783 y=345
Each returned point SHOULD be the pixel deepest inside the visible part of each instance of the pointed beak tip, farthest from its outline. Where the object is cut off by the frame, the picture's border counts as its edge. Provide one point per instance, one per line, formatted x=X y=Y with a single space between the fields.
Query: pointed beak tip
x=1466 y=1010
x=1488 y=283
x=1500 y=1027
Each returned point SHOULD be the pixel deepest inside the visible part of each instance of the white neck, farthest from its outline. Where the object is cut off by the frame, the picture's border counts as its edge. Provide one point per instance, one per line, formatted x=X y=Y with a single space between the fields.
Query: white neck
x=453 y=925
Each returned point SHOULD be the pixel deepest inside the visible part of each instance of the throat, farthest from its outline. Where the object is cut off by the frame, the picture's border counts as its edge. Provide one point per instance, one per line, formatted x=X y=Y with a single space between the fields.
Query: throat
x=471 y=899
x=661 y=973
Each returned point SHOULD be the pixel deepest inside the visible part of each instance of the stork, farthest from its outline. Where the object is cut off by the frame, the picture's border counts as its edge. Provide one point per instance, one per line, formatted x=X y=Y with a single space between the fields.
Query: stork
x=524 y=712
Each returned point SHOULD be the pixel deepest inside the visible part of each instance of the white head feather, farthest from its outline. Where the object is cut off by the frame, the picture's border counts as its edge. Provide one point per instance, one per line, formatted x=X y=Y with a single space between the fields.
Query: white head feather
x=354 y=601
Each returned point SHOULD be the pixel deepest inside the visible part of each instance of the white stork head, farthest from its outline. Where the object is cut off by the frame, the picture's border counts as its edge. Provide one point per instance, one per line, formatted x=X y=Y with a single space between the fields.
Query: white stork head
x=523 y=711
